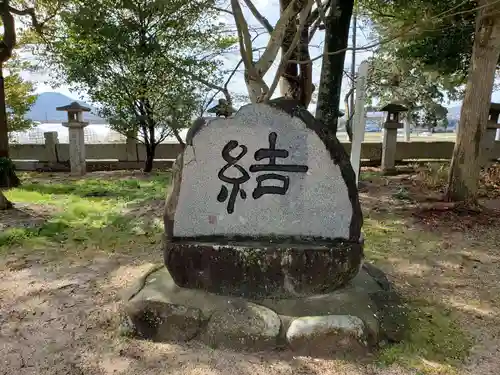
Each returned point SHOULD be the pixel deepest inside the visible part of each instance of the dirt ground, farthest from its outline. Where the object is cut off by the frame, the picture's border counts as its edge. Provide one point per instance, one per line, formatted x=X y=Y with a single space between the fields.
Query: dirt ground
x=61 y=317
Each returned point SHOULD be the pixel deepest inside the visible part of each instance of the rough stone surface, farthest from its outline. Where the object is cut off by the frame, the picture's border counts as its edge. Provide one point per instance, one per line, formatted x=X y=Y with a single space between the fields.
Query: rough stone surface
x=243 y=325
x=157 y=309
x=231 y=232
x=327 y=335
x=354 y=299
x=321 y=199
x=159 y=321
x=259 y=269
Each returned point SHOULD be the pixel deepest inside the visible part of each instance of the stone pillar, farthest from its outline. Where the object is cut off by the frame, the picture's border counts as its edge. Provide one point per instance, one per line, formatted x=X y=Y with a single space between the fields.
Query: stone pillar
x=131 y=153
x=77 y=147
x=51 y=142
x=390 y=137
x=359 y=119
x=407 y=128
x=76 y=127
x=488 y=141
x=389 y=142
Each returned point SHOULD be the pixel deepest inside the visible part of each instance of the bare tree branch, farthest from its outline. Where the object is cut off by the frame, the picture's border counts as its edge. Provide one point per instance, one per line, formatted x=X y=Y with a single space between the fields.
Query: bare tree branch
x=222 y=10
x=35 y=23
x=26 y=12
x=263 y=20
x=348 y=75
x=349 y=113
x=296 y=39
x=276 y=39
x=362 y=48
x=195 y=77
x=233 y=72
x=178 y=137
x=244 y=39
x=315 y=18
x=405 y=30
x=321 y=12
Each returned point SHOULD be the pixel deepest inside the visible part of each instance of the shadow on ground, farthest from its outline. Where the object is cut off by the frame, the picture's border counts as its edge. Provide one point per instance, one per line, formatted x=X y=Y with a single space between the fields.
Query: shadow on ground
x=60 y=290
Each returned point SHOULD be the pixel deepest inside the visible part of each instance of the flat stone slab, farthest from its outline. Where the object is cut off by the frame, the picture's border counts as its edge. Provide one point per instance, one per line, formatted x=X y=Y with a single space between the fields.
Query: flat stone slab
x=353 y=319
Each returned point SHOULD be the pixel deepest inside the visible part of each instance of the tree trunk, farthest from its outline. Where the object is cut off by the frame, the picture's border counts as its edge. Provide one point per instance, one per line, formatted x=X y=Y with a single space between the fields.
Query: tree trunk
x=296 y=80
x=8 y=177
x=5 y=204
x=150 y=157
x=465 y=165
x=336 y=35
x=253 y=87
x=148 y=164
x=289 y=81
x=4 y=134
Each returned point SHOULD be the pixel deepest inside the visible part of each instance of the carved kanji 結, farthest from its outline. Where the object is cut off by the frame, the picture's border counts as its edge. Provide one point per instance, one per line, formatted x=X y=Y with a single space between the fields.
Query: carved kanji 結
x=270 y=153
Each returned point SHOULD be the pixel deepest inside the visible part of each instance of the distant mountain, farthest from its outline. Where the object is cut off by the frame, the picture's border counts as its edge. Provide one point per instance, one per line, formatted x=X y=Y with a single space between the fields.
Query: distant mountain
x=44 y=109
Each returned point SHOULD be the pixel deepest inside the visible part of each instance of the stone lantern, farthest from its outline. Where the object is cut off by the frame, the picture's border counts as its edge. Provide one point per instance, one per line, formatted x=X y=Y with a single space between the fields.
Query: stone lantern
x=391 y=126
x=223 y=108
x=76 y=125
x=491 y=130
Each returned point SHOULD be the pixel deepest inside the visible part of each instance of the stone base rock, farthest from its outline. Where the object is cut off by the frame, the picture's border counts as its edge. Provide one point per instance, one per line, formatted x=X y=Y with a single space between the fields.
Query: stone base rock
x=351 y=320
x=268 y=268
x=314 y=335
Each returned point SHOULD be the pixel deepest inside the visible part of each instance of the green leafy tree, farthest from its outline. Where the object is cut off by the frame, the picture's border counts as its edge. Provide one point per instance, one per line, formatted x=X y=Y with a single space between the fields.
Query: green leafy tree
x=437 y=34
x=466 y=162
x=9 y=41
x=141 y=62
x=19 y=95
x=393 y=79
x=165 y=112
x=460 y=40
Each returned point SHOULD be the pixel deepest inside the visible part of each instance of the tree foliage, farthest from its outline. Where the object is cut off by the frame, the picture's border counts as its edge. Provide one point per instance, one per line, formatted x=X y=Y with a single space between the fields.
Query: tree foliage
x=19 y=95
x=435 y=34
x=468 y=155
x=9 y=41
x=393 y=79
x=139 y=61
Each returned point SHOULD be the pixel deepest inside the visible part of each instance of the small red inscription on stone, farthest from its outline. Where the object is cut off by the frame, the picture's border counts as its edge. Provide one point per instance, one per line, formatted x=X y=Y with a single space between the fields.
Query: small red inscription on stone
x=212 y=219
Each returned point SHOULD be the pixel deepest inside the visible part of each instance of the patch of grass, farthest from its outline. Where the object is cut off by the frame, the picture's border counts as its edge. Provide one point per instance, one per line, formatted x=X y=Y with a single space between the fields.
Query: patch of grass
x=435 y=342
x=402 y=194
x=370 y=175
x=381 y=236
x=89 y=212
x=126 y=189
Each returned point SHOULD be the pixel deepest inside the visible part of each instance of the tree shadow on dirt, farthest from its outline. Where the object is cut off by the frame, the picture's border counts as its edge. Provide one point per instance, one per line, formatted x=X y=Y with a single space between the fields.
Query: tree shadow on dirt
x=65 y=307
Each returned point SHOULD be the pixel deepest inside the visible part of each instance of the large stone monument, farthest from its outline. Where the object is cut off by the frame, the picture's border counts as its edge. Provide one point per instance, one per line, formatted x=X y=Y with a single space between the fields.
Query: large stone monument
x=263 y=244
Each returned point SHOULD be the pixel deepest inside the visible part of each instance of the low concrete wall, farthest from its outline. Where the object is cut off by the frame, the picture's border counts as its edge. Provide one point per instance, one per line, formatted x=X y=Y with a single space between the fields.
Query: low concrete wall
x=55 y=156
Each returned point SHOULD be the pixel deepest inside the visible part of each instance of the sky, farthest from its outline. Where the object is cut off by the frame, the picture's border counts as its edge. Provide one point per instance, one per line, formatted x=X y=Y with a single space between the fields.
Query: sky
x=270 y=9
